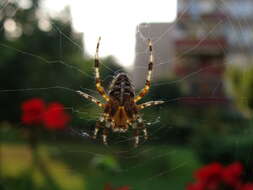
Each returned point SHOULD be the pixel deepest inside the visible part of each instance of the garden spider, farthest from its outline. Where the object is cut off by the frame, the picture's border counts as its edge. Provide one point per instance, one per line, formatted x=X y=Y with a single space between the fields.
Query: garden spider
x=121 y=109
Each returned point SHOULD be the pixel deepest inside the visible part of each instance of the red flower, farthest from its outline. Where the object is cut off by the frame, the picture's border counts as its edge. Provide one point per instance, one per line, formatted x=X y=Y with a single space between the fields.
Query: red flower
x=217 y=177
x=247 y=186
x=196 y=186
x=209 y=172
x=33 y=110
x=210 y=175
x=109 y=187
x=55 y=117
x=232 y=173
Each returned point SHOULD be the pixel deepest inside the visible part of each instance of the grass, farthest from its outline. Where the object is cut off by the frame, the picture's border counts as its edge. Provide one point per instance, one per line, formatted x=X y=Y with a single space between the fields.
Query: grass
x=88 y=166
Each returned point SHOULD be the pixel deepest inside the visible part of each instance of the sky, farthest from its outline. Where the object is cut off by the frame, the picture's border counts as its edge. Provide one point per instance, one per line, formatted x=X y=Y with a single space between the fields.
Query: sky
x=115 y=21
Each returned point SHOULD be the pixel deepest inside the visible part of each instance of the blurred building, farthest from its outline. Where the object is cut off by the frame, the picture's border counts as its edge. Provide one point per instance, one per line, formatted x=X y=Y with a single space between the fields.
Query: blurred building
x=201 y=47
x=207 y=36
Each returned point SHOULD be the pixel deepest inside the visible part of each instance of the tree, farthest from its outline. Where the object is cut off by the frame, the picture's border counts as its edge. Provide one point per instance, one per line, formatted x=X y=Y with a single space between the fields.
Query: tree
x=241 y=88
x=43 y=54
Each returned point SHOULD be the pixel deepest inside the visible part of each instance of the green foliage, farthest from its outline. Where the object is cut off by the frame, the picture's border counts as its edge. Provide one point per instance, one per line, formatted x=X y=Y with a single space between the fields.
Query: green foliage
x=172 y=122
x=241 y=87
x=105 y=162
x=165 y=90
x=226 y=148
x=24 y=182
x=178 y=122
x=52 y=64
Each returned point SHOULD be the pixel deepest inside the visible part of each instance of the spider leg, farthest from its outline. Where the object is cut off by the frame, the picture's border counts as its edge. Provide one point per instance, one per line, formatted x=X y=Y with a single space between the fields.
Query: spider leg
x=105 y=134
x=139 y=125
x=146 y=88
x=99 y=86
x=150 y=103
x=91 y=98
x=99 y=125
x=136 y=138
x=145 y=133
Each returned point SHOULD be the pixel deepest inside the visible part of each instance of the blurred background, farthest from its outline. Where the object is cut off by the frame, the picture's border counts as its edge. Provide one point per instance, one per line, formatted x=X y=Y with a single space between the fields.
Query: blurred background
x=203 y=71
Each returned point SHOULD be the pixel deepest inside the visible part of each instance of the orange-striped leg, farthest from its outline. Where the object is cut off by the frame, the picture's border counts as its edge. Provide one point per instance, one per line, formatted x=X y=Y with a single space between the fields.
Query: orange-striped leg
x=145 y=90
x=150 y=103
x=99 y=86
x=105 y=134
x=99 y=125
x=145 y=132
x=136 y=138
x=91 y=98
x=137 y=126
x=140 y=125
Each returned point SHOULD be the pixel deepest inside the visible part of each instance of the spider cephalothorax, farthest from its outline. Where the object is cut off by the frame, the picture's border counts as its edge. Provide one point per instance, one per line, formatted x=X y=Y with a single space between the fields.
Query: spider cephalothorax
x=120 y=111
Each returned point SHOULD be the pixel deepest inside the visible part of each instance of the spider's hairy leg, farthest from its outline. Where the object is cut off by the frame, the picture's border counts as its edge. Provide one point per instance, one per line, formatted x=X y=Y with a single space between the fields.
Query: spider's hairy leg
x=136 y=138
x=105 y=134
x=99 y=125
x=145 y=132
x=150 y=103
x=99 y=86
x=139 y=125
x=91 y=98
x=146 y=88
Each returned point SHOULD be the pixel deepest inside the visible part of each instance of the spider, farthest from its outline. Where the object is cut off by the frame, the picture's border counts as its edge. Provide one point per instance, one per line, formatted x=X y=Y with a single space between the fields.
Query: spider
x=120 y=109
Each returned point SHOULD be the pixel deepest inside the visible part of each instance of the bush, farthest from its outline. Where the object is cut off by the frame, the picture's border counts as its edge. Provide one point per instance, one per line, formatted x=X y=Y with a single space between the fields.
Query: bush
x=226 y=149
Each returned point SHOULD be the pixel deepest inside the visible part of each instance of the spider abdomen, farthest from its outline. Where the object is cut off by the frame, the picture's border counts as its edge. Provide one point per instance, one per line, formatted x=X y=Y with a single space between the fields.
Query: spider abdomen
x=121 y=106
x=121 y=89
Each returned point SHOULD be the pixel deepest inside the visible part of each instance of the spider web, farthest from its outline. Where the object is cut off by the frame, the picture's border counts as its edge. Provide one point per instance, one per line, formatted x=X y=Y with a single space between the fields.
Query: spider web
x=127 y=153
